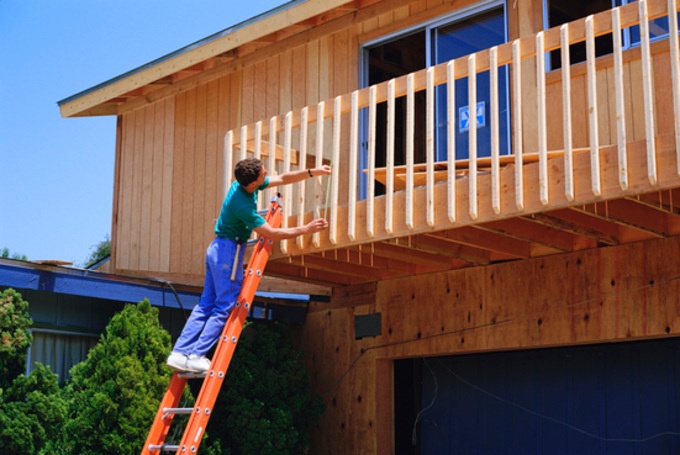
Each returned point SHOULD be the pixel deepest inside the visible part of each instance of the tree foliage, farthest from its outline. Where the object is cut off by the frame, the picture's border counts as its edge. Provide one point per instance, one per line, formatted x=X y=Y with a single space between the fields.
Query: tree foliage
x=6 y=254
x=15 y=338
x=113 y=395
x=99 y=252
x=265 y=406
x=31 y=409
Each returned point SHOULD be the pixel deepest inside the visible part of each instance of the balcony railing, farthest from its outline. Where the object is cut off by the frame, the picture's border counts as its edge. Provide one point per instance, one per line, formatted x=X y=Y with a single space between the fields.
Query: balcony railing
x=609 y=146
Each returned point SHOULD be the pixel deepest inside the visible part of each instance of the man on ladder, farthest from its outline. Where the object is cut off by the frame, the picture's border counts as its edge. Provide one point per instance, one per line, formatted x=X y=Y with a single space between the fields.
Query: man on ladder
x=224 y=259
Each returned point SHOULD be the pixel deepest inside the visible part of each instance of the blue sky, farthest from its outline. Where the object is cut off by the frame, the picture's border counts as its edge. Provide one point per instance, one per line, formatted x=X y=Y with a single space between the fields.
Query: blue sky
x=56 y=174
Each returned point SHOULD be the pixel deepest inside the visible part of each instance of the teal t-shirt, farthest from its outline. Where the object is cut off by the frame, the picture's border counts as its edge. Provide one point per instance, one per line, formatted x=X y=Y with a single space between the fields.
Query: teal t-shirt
x=239 y=216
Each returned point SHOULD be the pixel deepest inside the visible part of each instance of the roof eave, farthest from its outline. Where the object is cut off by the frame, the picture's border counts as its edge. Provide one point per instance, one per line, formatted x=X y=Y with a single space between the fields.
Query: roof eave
x=96 y=100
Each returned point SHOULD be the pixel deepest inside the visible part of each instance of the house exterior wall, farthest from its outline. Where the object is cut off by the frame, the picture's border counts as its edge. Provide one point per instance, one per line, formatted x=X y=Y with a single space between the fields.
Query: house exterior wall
x=170 y=181
x=616 y=294
x=170 y=168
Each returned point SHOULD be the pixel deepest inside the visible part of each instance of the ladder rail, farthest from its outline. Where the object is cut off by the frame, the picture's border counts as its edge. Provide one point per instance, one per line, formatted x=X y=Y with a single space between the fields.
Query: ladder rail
x=226 y=345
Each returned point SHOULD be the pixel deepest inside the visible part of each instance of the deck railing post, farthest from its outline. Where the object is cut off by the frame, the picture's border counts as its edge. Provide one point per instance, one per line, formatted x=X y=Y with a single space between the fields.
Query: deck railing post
x=301 y=189
x=517 y=144
x=389 y=158
x=542 y=120
x=451 y=138
x=495 y=140
x=647 y=90
x=410 y=144
x=472 y=134
x=620 y=104
x=370 y=197
x=675 y=74
x=566 y=114
x=592 y=108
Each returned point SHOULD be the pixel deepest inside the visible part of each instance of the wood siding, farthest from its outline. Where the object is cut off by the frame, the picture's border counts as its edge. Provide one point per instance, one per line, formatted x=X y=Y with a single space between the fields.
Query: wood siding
x=605 y=295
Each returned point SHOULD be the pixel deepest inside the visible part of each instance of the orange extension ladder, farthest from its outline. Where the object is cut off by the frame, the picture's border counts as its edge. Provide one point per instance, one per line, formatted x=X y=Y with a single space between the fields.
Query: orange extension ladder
x=226 y=345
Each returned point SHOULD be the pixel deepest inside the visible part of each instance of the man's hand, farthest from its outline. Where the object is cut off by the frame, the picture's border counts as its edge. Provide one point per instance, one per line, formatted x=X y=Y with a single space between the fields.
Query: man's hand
x=317 y=225
x=322 y=170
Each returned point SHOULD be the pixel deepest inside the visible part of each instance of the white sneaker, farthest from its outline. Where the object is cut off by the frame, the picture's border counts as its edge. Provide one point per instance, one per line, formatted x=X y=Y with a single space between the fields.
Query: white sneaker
x=197 y=364
x=177 y=362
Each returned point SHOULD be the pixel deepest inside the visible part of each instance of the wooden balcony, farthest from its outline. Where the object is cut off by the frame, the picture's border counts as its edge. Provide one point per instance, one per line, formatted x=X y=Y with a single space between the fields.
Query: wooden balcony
x=595 y=158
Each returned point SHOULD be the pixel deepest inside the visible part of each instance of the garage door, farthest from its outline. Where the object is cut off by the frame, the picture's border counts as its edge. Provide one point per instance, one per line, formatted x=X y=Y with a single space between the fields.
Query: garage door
x=606 y=399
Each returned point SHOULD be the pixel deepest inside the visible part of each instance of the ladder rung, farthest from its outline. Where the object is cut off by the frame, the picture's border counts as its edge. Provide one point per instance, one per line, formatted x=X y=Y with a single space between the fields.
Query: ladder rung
x=189 y=375
x=163 y=448
x=178 y=410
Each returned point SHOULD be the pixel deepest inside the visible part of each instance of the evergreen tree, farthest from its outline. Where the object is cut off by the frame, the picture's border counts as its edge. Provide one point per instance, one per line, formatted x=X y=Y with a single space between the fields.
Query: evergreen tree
x=265 y=407
x=15 y=339
x=31 y=409
x=113 y=395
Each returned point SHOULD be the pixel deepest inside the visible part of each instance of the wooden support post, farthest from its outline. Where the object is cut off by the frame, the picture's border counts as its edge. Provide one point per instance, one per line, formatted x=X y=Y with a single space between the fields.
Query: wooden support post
x=675 y=74
x=353 y=168
x=410 y=130
x=370 y=197
x=648 y=93
x=320 y=111
x=429 y=146
x=495 y=140
x=566 y=114
x=542 y=120
x=620 y=104
x=337 y=116
x=592 y=108
x=472 y=134
x=389 y=159
x=518 y=146
x=304 y=129
x=451 y=138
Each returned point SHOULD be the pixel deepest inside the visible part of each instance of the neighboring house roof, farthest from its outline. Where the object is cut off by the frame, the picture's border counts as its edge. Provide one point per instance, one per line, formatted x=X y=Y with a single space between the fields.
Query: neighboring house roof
x=261 y=30
x=89 y=283
x=107 y=286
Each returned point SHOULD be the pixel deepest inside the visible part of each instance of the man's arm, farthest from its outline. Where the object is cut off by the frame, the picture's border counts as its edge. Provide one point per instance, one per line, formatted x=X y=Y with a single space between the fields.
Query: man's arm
x=297 y=176
x=288 y=233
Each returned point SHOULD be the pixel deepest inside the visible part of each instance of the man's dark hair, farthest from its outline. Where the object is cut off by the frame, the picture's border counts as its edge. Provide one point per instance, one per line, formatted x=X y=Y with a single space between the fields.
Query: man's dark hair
x=247 y=171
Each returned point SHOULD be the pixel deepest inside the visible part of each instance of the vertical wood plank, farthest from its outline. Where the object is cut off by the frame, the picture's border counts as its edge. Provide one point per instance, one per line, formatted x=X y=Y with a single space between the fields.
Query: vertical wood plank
x=429 y=145
x=410 y=129
x=146 y=188
x=517 y=143
x=165 y=231
x=472 y=135
x=541 y=113
x=566 y=114
x=495 y=139
x=212 y=162
x=592 y=108
x=228 y=161
x=620 y=99
x=647 y=89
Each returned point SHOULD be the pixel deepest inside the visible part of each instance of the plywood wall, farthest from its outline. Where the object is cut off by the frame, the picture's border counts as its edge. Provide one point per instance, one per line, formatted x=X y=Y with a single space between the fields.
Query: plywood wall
x=607 y=295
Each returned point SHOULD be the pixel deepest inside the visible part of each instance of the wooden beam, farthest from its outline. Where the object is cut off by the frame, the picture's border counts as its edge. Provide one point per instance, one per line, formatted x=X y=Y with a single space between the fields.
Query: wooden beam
x=450 y=248
x=487 y=240
x=548 y=236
